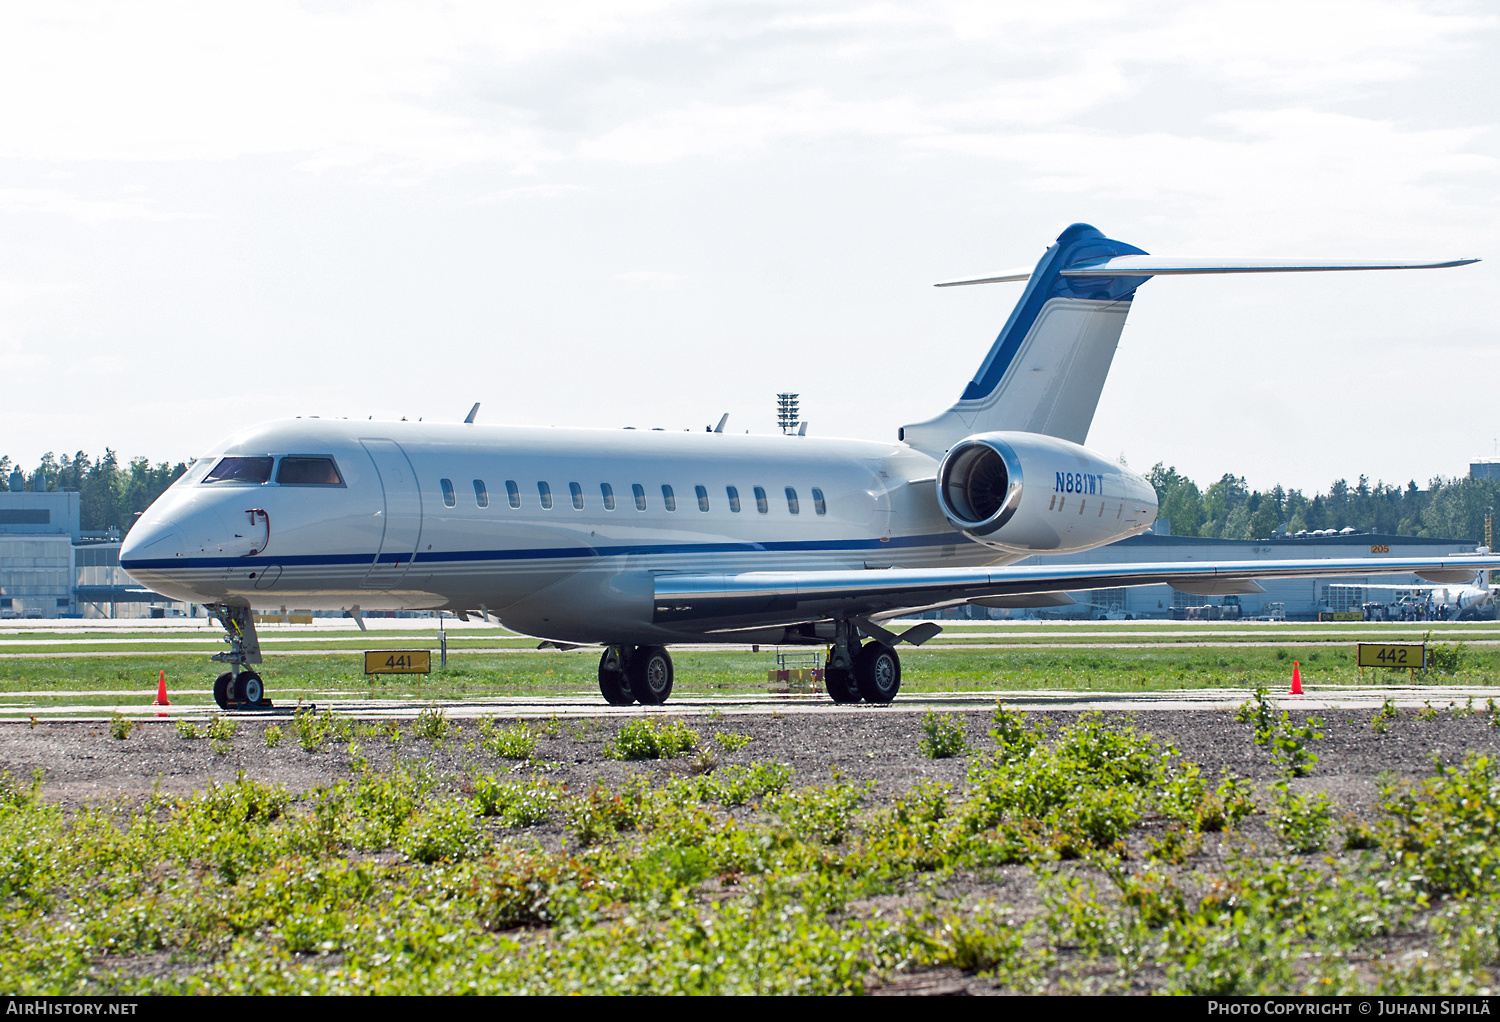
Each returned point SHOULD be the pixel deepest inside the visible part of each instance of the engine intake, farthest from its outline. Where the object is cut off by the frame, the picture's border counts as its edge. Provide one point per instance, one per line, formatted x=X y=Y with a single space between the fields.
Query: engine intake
x=979 y=484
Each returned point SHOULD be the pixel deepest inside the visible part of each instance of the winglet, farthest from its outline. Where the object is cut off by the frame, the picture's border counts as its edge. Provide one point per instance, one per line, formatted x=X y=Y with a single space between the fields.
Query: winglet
x=473 y=412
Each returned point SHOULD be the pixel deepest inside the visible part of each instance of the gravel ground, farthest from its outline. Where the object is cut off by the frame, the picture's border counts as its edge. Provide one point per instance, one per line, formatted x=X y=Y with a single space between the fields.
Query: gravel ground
x=82 y=762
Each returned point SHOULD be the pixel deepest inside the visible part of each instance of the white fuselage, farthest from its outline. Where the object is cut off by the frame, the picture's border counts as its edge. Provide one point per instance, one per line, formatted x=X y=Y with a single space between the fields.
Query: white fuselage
x=433 y=516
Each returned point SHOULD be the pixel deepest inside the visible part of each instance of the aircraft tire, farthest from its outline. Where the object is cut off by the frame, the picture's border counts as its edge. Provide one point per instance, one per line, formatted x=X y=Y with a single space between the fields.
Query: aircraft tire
x=877 y=672
x=249 y=689
x=613 y=684
x=650 y=673
x=839 y=683
x=222 y=695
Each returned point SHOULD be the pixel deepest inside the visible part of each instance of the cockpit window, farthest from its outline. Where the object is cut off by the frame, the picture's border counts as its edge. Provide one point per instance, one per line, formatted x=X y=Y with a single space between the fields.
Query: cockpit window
x=299 y=471
x=241 y=470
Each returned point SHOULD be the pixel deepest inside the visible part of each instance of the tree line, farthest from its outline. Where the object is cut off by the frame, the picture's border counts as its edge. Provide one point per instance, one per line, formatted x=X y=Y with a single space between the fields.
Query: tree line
x=1228 y=509
x=110 y=495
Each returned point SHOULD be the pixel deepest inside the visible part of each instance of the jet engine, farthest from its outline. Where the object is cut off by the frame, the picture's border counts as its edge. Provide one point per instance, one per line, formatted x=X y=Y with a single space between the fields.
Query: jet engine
x=1029 y=493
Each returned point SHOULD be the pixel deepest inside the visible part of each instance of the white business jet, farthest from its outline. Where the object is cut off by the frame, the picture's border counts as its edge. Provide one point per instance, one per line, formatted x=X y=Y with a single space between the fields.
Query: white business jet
x=634 y=540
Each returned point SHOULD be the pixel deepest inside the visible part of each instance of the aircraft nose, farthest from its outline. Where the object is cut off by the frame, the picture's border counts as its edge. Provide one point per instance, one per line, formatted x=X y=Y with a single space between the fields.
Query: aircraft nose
x=154 y=540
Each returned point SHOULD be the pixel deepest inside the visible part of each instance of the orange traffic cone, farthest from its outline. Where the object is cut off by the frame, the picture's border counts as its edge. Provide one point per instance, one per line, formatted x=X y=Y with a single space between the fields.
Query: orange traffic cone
x=161 y=690
x=1296 y=679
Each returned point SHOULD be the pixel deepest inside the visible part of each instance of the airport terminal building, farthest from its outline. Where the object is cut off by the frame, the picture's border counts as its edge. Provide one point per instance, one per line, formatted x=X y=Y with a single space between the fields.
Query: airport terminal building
x=50 y=568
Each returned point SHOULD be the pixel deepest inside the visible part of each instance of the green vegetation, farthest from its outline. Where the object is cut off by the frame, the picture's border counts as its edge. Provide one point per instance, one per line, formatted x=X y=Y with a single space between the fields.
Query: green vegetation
x=1093 y=858
x=120 y=727
x=646 y=739
x=1286 y=739
x=942 y=736
x=1448 y=508
x=515 y=742
x=731 y=742
x=72 y=676
x=108 y=496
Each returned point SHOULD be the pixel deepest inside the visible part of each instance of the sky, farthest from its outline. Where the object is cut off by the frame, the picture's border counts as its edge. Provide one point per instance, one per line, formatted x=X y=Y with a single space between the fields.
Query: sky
x=652 y=213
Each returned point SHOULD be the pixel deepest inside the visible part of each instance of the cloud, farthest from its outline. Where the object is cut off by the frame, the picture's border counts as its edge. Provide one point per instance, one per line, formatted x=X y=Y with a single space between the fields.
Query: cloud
x=649 y=280
x=89 y=211
x=397 y=89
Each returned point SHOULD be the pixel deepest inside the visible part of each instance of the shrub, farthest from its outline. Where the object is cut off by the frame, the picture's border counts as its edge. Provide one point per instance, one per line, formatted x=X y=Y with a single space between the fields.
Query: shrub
x=1301 y=821
x=515 y=742
x=187 y=729
x=1286 y=741
x=120 y=726
x=273 y=736
x=312 y=730
x=431 y=724
x=221 y=728
x=730 y=742
x=1443 y=657
x=1381 y=721
x=644 y=739
x=516 y=805
x=942 y=737
x=1012 y=735
x=735 y=785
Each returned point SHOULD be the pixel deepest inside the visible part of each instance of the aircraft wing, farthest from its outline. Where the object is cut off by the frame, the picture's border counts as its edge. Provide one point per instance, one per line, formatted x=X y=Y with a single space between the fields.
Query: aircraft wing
x=789 y=597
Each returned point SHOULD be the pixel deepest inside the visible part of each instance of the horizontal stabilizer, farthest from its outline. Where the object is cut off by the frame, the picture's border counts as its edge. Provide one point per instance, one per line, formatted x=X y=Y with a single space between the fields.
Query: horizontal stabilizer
x=1162 y=266
x=1024 y=273
x=1245 y=587
x=1158 y=266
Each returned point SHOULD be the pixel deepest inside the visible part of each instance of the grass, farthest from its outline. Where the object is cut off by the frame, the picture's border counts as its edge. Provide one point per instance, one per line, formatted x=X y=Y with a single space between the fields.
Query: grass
x=75 y=673
x=1090 y=857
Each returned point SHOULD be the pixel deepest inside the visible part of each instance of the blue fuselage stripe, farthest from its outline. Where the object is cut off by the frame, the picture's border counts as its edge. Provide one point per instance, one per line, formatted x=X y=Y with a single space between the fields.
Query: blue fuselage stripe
x=548 y=553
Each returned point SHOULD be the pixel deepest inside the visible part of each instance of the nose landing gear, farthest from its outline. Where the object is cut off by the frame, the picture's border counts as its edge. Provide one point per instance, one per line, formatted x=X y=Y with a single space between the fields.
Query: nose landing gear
x=238 y=689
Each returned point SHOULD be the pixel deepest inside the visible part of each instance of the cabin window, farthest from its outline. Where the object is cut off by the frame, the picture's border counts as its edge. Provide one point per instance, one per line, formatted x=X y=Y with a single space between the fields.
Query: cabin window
x=296 y=471
x=640 y=496
x=702 y=493
x=481 y=495
x=791 y=501
x=608 y=493
x=545 y=492
x=513 y=493
x=819 y=504
x=761 y=504
x=668 y=497
x=241 y=470
x=450 y=499
x=734 y=499
x=577 y=493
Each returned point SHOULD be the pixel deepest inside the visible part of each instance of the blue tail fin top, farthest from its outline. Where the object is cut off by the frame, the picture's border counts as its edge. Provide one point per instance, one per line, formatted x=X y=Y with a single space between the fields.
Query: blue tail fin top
x=1078 y=244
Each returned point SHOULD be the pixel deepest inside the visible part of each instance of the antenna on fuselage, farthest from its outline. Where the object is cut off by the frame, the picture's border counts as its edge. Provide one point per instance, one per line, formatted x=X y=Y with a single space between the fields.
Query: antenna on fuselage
x=472 y=413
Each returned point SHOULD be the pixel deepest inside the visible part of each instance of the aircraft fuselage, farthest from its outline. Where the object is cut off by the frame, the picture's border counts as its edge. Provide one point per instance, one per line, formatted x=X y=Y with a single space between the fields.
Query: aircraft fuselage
x=560 y=532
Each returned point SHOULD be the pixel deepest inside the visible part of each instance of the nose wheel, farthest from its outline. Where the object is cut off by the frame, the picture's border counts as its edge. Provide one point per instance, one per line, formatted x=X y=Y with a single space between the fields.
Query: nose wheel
x=238 y=689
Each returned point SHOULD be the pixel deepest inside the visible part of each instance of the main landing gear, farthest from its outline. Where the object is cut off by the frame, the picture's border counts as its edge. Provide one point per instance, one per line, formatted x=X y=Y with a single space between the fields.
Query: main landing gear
x=236 y=688
x=871 y=671
x=630 y=674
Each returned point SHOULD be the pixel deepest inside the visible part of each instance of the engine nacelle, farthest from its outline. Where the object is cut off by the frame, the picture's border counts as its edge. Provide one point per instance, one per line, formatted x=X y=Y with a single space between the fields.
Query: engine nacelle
x=1029 y=493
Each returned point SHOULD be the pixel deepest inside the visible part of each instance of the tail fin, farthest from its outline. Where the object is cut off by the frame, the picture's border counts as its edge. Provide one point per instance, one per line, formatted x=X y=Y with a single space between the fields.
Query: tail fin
x=1045 y=371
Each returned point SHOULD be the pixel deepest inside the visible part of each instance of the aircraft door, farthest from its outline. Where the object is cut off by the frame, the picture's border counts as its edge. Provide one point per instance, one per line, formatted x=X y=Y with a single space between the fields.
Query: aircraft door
x=402 y=514
x=882 y=510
